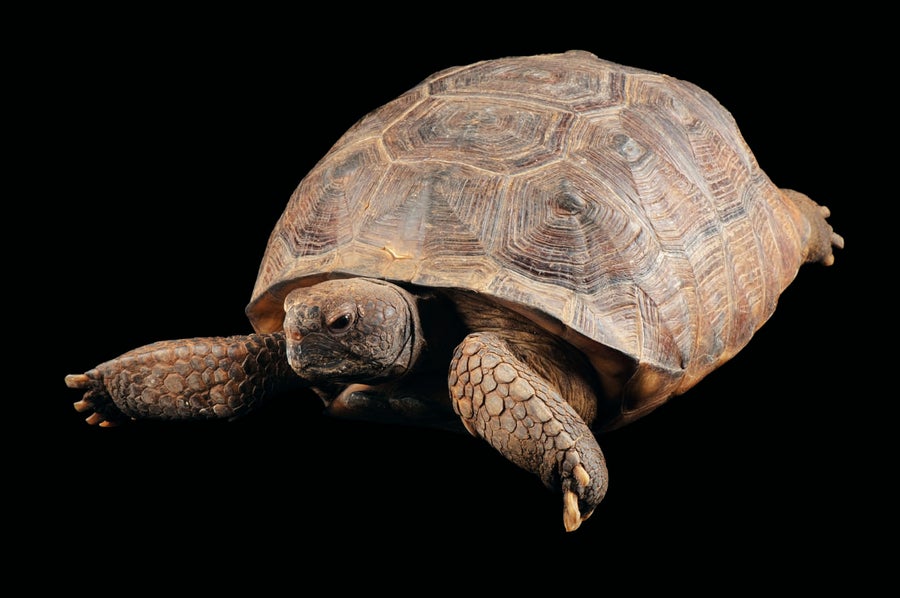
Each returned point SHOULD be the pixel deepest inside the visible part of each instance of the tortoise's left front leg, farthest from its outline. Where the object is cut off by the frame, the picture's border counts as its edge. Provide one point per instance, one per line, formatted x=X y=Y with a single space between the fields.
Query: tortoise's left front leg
x=196 y=378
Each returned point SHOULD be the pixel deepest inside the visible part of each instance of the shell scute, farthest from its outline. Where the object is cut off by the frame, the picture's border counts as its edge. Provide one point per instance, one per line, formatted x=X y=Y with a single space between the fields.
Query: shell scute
x=494 y=135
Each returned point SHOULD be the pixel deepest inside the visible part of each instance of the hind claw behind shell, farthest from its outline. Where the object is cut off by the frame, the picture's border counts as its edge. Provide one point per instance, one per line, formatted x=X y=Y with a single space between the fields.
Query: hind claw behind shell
x=837 y=240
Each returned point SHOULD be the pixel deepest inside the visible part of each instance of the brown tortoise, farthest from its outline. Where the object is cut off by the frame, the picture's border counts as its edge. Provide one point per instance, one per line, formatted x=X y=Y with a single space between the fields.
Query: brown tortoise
x=577 y=240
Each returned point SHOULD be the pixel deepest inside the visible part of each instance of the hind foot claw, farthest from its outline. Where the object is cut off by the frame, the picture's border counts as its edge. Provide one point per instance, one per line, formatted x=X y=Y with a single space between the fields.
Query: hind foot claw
x=822 y=238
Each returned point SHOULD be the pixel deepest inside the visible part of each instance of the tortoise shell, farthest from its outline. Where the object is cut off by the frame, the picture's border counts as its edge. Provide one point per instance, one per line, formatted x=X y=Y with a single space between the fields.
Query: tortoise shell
x=619 y=208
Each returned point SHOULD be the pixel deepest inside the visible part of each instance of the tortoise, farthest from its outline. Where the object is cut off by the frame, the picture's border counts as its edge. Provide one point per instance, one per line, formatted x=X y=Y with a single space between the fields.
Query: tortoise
x=535 y=249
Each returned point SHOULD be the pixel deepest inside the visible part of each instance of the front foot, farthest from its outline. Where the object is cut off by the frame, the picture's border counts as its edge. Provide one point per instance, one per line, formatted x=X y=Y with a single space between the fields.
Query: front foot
x=391 y=404
x=96 y=402
x=198 y=378
x=500 y=399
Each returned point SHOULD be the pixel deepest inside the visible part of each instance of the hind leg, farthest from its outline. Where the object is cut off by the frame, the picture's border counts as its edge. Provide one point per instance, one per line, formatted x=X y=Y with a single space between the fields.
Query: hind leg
x=518 y=412
x=822 y=237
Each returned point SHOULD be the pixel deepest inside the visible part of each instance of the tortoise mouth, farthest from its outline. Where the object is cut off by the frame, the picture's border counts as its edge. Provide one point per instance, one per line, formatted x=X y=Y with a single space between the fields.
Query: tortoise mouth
x=313 y=366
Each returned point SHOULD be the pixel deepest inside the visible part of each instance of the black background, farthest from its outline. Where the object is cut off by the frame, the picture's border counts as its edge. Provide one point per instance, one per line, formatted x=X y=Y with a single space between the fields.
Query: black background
x=168 y=146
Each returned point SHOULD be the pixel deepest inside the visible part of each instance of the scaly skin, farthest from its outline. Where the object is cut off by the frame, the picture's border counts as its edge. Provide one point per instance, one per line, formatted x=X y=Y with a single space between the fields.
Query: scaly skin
x=196 y=378
x=518 y=412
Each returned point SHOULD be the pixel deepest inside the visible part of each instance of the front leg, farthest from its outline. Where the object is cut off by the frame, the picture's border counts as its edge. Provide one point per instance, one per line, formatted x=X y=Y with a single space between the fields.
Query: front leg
x=502 y=400
x=197 y=378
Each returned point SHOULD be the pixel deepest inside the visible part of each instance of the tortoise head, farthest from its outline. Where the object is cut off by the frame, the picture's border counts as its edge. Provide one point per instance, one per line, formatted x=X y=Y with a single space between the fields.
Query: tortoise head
x=351 y=330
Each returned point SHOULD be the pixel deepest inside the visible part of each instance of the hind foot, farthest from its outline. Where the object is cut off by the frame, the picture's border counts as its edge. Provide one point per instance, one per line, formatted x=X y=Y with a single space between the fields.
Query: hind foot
x=822 y=238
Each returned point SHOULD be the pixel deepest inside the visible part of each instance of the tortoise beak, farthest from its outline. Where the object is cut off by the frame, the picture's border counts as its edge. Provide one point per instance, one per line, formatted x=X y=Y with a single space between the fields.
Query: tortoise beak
x=294 y=349
x=300 y=323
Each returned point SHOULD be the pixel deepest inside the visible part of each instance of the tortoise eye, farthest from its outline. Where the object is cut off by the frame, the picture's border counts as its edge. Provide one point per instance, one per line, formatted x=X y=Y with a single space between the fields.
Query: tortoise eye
x=340 y=323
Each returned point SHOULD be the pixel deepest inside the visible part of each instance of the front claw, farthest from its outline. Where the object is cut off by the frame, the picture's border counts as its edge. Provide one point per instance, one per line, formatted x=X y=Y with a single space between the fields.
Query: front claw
x=96 y=400
x=583 y=481
x=572 y=515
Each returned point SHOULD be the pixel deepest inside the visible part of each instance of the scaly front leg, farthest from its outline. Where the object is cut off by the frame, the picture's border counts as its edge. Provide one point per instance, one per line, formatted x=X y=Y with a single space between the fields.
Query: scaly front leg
x=197 y=378
x=502 y=400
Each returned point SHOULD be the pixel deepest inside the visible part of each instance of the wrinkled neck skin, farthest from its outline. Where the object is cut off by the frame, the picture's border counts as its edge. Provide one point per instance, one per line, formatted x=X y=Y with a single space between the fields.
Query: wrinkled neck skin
x=414 y=343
